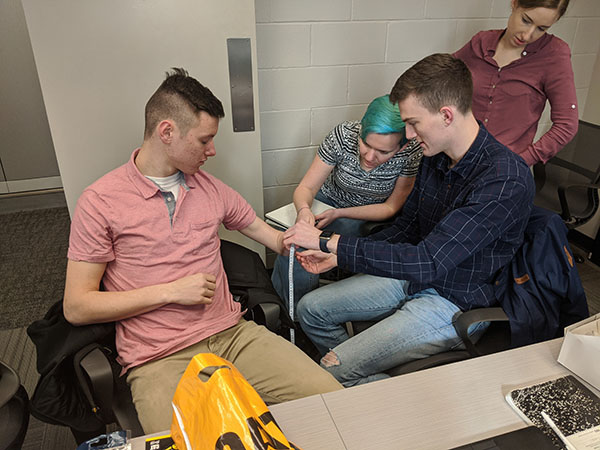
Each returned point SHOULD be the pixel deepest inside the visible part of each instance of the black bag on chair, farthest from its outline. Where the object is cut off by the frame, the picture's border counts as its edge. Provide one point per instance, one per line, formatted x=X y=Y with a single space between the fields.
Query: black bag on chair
x=250 y=284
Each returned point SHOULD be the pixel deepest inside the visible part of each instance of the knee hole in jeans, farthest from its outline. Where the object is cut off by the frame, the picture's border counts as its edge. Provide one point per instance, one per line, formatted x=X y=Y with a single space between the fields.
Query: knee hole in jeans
x=330 y=359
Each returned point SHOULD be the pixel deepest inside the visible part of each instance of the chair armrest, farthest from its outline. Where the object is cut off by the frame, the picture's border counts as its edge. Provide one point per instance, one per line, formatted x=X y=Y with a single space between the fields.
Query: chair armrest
x=473 y=316
x=9 y=384
x=266 y=314
x=564 y=206
x=572 y=167
x=95 y=376
x=371 y=227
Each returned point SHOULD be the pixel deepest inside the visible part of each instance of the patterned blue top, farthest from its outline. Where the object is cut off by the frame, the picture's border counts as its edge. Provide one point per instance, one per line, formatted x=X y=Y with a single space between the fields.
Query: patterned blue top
x=457 y=227
x=349 y=184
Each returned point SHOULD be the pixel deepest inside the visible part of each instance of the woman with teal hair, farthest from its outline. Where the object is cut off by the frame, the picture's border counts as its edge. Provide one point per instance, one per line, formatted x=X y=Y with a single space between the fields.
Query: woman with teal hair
x=365 y=171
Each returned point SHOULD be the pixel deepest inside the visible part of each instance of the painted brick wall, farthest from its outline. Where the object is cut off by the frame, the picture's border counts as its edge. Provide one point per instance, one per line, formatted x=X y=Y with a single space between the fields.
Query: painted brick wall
x=322 y=61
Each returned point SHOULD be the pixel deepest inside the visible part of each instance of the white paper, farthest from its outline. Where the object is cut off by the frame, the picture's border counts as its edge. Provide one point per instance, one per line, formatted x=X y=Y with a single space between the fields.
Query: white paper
x=580 y=352
x=286 y=215
x=586 y=440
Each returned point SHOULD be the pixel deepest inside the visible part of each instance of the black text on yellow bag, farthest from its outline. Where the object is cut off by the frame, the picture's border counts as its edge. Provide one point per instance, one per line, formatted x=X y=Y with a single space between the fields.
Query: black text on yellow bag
x=215 y=408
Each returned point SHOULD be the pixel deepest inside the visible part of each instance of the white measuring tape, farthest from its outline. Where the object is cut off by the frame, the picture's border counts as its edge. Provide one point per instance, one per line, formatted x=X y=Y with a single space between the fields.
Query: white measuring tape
x=291 y=291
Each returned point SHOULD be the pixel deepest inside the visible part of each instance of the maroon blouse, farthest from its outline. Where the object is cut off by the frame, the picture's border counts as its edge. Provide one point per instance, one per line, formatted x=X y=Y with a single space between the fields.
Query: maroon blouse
x=510 y=100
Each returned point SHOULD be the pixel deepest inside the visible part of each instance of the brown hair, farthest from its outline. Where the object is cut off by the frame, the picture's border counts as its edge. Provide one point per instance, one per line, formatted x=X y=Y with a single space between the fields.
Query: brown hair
x=560 y=5
x=180 y=98
x=437 y=80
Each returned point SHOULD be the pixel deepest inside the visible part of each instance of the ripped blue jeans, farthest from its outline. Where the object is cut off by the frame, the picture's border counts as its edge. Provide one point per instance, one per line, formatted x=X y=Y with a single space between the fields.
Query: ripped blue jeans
x=408 y=327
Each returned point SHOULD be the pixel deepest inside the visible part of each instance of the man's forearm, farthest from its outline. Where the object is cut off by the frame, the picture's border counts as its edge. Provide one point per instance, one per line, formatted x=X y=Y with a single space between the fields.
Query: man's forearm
x=83 y=308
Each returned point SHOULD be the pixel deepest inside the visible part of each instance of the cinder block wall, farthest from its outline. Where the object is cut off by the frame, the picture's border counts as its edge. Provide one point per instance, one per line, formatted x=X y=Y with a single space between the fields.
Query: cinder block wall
x=322 y=61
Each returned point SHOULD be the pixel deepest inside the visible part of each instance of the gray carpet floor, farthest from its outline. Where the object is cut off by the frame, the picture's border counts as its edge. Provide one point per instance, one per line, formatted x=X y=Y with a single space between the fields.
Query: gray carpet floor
x=33 y=259
x=33 y=248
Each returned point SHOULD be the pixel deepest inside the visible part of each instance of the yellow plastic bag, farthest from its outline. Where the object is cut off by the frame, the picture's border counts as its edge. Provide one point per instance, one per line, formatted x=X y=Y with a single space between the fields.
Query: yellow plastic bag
x=215 y=408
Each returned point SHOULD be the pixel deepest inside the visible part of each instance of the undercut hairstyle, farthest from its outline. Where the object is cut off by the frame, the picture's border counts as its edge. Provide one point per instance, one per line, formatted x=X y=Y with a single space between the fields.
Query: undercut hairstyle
x=559 y=5
x=436 y=81
x=381 y=117
x=180 y=98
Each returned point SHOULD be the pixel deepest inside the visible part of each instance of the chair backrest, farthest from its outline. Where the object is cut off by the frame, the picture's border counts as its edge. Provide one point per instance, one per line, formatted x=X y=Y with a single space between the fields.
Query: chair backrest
x=577 y=163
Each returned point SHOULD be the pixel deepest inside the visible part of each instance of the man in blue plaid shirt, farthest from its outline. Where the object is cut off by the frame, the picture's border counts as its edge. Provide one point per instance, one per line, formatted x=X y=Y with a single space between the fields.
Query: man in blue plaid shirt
x=464 y=220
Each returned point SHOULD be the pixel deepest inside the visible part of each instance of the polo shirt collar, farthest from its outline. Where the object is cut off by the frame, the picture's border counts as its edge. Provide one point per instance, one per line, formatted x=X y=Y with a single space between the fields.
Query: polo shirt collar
x=146 y=187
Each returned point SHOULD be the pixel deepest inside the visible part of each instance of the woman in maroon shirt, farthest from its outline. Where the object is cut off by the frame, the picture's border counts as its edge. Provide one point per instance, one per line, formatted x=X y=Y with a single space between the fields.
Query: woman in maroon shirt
x=515 y=71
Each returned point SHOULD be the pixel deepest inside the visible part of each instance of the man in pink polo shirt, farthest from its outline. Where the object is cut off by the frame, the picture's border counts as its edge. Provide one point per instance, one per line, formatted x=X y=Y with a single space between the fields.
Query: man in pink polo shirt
x=148 y=232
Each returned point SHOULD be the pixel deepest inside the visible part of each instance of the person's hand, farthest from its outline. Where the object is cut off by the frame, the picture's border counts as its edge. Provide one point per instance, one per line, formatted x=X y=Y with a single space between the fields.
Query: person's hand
x=197 y=289
x=326 y=217
x=302 y=235
x=305 y=215
x=314 y=261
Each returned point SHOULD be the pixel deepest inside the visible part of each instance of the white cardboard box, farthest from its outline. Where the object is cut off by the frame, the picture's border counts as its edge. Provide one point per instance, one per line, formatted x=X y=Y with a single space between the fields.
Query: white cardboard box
x=580 y=351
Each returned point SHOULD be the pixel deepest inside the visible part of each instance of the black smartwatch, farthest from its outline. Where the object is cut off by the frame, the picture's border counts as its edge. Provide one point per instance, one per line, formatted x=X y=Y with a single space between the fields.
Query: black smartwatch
x=324 y=237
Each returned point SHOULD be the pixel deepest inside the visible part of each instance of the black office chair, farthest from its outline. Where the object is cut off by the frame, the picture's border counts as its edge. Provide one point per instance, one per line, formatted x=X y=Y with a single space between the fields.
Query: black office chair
x=495 y=339
x=568 y=184
x=14 y=409
x=98 y=372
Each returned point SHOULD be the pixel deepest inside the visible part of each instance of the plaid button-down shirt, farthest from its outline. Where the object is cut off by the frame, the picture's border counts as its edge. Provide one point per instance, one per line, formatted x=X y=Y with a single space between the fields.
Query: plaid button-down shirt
x=457 y=227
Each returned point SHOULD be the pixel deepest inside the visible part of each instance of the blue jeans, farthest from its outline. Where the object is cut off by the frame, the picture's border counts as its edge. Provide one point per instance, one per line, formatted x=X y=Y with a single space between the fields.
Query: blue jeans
x=408 y=327
x=304 y=281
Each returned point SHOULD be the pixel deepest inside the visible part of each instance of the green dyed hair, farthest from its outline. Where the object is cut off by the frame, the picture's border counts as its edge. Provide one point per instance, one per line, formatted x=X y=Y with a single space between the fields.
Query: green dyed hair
x=382 y=117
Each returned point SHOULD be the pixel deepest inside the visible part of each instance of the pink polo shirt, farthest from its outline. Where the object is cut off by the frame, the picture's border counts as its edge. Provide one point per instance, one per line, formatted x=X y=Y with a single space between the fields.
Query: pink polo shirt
x=510 y=100
x=122 y=220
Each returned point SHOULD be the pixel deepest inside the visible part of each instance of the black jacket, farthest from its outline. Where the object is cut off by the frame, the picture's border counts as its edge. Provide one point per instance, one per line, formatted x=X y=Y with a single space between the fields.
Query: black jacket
x=58 y=397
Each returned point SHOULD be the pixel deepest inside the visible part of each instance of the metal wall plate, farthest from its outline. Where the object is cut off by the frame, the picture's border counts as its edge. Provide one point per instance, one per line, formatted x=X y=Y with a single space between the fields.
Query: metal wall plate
x=239 y=53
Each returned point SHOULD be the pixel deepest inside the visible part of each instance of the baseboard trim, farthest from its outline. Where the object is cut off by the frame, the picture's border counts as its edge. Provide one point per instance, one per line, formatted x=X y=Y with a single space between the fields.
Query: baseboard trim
x=30 y=193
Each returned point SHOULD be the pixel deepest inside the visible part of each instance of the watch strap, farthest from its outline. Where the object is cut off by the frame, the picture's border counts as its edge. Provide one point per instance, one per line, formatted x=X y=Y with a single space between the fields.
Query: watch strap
x=323 y=244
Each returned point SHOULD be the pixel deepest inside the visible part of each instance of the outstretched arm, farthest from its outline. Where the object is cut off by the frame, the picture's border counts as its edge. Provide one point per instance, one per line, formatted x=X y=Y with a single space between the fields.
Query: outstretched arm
x=265 y=235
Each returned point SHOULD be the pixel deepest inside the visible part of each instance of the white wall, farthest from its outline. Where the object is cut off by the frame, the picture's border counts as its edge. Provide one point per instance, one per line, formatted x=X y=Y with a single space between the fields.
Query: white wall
x=26 y=148
x=322 y=61
x=100 y=61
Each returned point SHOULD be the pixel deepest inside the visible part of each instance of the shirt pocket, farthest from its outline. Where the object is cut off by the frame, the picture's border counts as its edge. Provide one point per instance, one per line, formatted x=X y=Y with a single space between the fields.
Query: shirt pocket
x=205 y=235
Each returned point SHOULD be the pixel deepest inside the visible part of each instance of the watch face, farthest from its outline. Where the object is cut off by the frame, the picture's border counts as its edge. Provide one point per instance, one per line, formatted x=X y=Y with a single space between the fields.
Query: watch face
x=326 y=234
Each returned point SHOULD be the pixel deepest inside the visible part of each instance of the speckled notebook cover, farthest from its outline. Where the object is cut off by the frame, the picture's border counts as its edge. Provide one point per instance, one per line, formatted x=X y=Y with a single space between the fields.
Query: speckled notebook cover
x=570 y=405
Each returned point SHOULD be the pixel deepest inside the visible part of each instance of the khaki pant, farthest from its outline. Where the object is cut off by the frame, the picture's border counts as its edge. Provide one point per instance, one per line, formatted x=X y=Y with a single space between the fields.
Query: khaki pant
x=278 y=370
